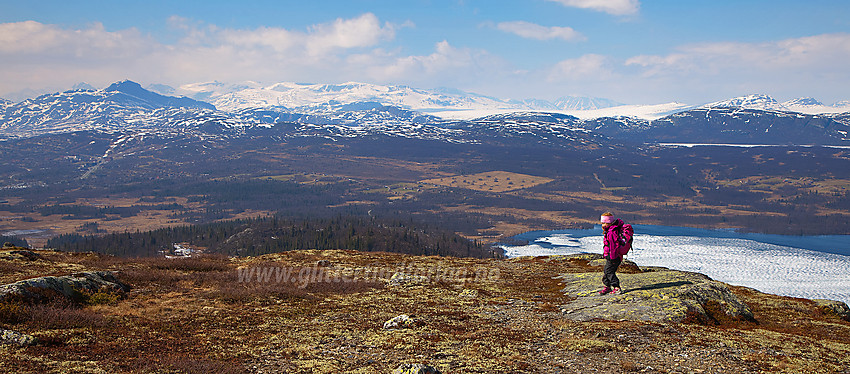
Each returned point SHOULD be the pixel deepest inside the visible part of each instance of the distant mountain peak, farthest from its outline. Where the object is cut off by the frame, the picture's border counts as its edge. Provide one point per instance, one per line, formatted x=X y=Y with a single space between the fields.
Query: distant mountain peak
x=132 y=92
x=754 y=101
x=311 y=97
x=584 y=103
x=162 y=89
x=803 y=101
x=83 y=86
x=125 y=85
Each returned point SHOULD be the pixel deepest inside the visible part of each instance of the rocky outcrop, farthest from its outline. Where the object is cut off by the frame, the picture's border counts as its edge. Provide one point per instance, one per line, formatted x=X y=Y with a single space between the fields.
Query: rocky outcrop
x=70 y=286
x=415 y=369
x=16 y=338
x=653 y=294
x=401 y=321
x=834 y=307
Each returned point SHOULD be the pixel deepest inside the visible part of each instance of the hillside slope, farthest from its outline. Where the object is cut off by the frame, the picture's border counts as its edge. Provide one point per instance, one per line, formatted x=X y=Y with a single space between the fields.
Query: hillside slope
x=328 y=312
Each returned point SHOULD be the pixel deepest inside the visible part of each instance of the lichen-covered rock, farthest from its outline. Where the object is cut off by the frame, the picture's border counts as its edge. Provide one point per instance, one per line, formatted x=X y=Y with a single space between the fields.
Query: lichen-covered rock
x=16 y=338
x=581 y=256
x=836 y=307
x=402 y=321
x=415 y=369
x=661 y=295
x=69 y=286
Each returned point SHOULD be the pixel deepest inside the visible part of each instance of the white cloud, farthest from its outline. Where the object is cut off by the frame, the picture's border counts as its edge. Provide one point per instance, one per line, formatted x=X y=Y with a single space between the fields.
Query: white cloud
x=446 y=65
x=534 y=31
x=588 y=67
x=615 y=7
x=36 y=55
x=821 y=51
x=30 y=38
x=319 y=40
x=362 y=31
x=781 y=68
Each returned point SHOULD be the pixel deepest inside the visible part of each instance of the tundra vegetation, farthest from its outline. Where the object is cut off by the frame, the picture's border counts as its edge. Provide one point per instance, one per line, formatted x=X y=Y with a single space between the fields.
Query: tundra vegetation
x=454 y=314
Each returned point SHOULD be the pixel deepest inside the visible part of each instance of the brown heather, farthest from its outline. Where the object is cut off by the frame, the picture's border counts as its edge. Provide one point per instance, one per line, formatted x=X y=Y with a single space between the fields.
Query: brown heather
x=193 y=315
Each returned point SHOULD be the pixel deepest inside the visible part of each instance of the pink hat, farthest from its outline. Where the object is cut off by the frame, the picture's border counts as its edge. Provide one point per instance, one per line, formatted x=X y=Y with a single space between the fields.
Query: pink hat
x=607 y=219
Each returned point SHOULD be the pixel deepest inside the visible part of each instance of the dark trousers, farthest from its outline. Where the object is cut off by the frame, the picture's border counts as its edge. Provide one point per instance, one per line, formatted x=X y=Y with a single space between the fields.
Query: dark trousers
x=609 y=273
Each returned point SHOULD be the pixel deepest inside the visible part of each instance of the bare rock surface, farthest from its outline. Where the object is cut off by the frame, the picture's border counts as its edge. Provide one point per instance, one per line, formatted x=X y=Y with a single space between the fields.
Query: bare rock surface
x=15 y=338
x=69 y=286
x=401 y=321
x=652 y=295
x=832 y=306
x=415 y=369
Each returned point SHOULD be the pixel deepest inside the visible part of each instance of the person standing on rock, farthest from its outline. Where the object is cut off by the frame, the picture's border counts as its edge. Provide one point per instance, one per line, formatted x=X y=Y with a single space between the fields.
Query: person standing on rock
x=615 y=244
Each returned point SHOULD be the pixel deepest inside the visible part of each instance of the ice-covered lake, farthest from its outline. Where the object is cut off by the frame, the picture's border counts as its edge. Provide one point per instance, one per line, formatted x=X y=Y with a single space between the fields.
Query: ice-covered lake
x=812 y=267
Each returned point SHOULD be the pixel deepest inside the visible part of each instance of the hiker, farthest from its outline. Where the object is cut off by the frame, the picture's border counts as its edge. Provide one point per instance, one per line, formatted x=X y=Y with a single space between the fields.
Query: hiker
x=616 y=242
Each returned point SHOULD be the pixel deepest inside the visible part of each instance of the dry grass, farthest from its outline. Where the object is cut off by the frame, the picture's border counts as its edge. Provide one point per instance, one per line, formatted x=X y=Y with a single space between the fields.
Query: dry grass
x=793 y=316
x=226 y=287
x=51 y=311
x=63 y=316
x=585 y=345
x=206 y=263
x=178 y=363
x=197 y=317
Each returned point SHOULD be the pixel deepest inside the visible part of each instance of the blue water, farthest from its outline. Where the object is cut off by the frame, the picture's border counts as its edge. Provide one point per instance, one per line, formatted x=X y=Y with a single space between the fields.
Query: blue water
x=836 y=244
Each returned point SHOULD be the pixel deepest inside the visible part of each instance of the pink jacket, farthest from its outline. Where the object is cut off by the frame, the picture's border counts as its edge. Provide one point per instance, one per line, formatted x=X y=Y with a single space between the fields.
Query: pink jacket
x=612 y=246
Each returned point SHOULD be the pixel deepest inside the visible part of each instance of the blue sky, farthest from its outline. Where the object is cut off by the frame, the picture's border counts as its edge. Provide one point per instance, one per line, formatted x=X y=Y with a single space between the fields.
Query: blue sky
x=630 y=51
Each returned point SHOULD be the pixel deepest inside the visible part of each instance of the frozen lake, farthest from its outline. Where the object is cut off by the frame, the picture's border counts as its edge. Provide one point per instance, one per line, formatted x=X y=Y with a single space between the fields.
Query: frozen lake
x=812 y=267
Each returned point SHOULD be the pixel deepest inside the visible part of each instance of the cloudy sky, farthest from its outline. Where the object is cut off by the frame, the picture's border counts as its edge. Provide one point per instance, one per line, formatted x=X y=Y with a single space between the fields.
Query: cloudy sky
x=632 y=51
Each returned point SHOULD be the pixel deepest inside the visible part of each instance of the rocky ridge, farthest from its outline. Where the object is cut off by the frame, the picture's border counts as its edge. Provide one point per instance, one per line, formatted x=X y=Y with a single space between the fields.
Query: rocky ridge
x=651 y=294
x=73 y=287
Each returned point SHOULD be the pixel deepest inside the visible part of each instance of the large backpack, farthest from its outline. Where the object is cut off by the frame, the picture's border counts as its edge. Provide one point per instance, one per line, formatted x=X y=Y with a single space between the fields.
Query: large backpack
x=625 y=235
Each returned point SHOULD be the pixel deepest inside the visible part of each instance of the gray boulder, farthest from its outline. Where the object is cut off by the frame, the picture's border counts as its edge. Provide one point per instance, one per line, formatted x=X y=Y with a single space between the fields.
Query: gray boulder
x=415 y=369
x=16 y=338
x=70 y=286
x=399 y=322
x=838 y=308
x=660 y=295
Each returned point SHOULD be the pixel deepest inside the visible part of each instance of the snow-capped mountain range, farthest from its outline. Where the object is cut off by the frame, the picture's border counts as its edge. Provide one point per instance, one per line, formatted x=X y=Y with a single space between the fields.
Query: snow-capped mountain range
x=446 y=103
x=323 y=97
x=456 y=104
x=358 y=109
x=806 y=105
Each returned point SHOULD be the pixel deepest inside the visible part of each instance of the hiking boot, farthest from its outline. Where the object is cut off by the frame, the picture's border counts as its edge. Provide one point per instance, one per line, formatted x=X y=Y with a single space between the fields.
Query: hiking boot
x=616 y=291
x=605 y=290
